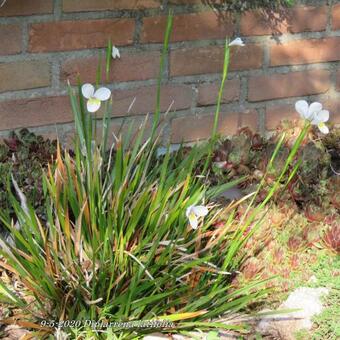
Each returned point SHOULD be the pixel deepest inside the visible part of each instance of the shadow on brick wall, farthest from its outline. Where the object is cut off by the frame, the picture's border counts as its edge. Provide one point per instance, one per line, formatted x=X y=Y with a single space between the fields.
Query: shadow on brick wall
x=271 y=14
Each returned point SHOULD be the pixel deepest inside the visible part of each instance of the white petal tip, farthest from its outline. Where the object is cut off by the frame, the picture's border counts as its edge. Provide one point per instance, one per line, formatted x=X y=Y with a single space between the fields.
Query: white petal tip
x=87 y=90
x=302 y=107
x=237 y=42
x=323 y=128
x=115 y=52
x=93 y=105
x=102 y=94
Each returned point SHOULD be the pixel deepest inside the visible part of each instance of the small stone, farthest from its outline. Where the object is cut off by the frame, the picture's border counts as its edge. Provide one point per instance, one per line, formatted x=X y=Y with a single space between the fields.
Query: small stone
x=284 y=326
x=308 y=300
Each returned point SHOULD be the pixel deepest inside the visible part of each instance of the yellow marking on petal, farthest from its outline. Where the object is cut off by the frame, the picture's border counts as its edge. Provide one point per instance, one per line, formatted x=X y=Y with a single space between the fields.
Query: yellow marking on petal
x=94 y=101
x=193 y=220
x=192 y=215
x=323 y=128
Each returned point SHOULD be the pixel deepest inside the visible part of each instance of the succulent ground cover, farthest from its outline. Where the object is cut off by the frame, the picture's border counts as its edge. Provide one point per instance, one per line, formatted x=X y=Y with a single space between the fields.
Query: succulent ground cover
x=299 y=240
x=24 y=155
x=305 y=214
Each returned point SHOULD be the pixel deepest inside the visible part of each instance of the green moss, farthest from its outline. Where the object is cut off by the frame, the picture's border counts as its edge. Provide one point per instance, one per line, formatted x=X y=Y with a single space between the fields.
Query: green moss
x=326 y=325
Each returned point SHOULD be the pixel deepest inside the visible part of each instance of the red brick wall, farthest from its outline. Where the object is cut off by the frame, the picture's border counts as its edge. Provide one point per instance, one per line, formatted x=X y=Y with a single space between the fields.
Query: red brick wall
x=44 y=43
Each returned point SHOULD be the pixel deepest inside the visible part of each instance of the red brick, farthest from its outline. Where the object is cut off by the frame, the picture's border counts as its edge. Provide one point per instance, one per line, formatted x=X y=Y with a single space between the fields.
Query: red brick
x=34 y=112
x=297 y=19
x=336 y=17
x=195 y=26
x=275 y=114
x=76 y=35
x=193 y=128
x=249 y=119
x=333 y=105
x=102 y=5
x=26 y=7
x=136 y=66
x=292 y=84
x=207 y=93
x=51 y=135
x=10 y=37
x=306 y=52
x=145 y=101
x=24 y=75
x=190 y=61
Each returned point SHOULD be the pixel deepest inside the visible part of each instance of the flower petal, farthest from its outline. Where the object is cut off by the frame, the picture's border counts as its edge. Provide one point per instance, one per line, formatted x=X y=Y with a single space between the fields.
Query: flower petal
x=102 y=94
x=314 y=109
x=323 y=128
x=87 y=90
x=115 y=52
x=193 y=220
x=200 y=210
x=322 y=116
x=301 y=107
x=188 y=211
x=93 y=105
x=237 y=42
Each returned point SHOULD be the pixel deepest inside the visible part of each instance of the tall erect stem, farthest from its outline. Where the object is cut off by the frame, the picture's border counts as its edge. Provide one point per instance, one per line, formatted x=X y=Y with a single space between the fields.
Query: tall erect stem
x=218 y=104
x=161 y=70
x=220 y=93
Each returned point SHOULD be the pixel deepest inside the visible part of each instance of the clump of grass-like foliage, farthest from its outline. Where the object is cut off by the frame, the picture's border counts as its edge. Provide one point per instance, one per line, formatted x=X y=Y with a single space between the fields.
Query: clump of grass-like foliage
x=115 y=244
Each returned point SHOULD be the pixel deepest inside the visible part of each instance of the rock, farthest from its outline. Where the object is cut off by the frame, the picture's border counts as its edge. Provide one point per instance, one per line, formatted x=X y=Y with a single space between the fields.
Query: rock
x=308 y=300
x=284 y=326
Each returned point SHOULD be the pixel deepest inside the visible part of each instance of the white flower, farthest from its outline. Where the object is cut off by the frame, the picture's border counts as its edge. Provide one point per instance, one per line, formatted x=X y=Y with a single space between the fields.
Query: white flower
x=237 y=42
x=320 y=119
x=115 y=52
x=95 y=97
x=194 y=212
x=314 y=113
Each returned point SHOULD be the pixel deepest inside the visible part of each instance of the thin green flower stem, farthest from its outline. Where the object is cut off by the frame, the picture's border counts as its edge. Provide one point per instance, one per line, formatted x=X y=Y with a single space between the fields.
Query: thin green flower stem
x=213 y=137
x=161 y=70
x=220 y=93
x=108 y=59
